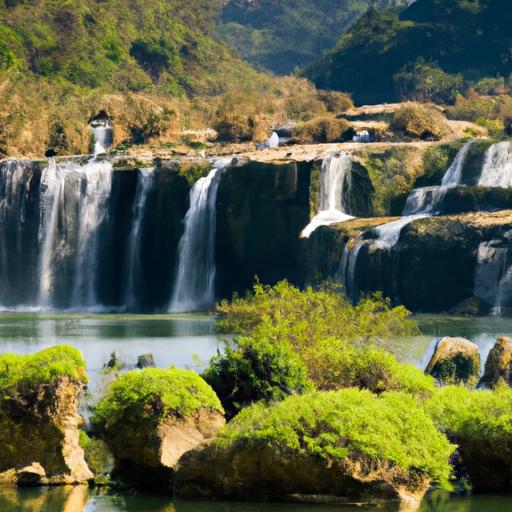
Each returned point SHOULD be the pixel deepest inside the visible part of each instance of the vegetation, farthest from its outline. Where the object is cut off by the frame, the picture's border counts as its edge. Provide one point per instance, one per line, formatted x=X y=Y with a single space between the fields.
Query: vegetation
x=417 y=121
x=251 y=370
x=96 y=454
x=480 y=423
x=337 y=342
x=152 y=394
x=390 y=431
x=154 y=69
x=323 y=130
x=423 y=52
x=281 y=35
x=45 y=367
x=423 y=81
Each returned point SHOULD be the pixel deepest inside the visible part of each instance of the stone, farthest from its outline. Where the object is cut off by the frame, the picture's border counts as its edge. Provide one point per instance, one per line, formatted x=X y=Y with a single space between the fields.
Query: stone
x=455 y=361
x=146 y=361
x=498 y=365
x=32 y=475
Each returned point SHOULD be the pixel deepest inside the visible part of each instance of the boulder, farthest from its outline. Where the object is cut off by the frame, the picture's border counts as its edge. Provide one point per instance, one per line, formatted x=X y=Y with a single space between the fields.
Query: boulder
x=316 y=447
x=39 y=420
x=150 y=418
x=455 y=361
x=498 y=365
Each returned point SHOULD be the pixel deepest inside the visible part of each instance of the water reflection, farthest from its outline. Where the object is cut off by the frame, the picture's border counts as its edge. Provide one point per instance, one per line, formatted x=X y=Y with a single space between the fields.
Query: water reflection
x=82 y=499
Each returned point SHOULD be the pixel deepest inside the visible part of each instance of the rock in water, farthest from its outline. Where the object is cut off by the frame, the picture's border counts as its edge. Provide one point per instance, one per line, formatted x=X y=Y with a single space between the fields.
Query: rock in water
x=455 y=361
x=150 y=418
x=39 y=421
x=324 y=447
x=145 y=361
x=498 y=365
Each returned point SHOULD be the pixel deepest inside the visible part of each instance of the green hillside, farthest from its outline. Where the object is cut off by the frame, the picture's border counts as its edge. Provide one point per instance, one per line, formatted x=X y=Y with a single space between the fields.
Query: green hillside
x=280 y=35
x=467 y=37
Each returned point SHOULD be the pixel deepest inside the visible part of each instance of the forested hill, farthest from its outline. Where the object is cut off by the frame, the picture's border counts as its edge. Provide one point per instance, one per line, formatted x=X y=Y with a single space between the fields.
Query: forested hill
x=281 y=34
x=123 y=45
x=470 y=37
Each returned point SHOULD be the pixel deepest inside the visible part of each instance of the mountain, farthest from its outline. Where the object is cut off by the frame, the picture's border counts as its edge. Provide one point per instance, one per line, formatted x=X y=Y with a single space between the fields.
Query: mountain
x=467 y=37
x=280 y=35
x=154 y=66
x=137 y=45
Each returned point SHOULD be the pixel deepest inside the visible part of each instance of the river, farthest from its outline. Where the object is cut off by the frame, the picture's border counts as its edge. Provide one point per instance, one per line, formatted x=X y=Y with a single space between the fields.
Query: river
x=188 y=341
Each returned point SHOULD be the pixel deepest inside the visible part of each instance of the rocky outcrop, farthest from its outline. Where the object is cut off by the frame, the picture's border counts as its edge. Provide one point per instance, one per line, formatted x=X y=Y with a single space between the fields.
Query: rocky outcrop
x=304 y=449
x=435 y=266
x=39 y=421
x=455 y=361
x=150 y=418
x=498 y=365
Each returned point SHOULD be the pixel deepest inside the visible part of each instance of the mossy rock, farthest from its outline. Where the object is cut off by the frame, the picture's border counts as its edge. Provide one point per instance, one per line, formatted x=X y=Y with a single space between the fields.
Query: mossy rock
x=149 y=418
x=39 y=418
x=498 y=367
x=479 y=423
x=455 y=361
x=348 y=445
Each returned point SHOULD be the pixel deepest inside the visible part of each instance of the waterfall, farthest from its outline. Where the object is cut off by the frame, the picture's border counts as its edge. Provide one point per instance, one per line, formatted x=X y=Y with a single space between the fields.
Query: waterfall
x=334 y=187
x=96 y=183
x=14 y=176
x=497 y=168
x=144 y=185
x=491 y=267
x=52 y=185
x=102 y=135
x=194 y=287
x=453 y=176
x=421 y=203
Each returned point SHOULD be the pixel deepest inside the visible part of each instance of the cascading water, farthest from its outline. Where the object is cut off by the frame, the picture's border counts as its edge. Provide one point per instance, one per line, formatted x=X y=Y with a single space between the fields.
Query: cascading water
x=102 y=133
x=334 y=187
x=421 y=203
x=194 y=287
x=497 y=168
x=144 y=185
x=78 y=194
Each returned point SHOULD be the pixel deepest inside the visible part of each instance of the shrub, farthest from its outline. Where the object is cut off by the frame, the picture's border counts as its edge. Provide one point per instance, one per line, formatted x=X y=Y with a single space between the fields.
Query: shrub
x=323 y=130
x=390 y=431
x=417 y=121
x=423 y=81
x=251 y=370
x=43 y=367
x=490 y=86
x=96 y=454
x=480 y=422
x=314 y=313
x=335 y=102
x=152 y=394
x=335 y=340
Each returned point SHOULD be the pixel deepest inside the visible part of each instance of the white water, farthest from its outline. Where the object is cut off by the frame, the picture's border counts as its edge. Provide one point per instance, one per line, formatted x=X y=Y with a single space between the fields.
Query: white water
x=144 y=184
x=52 y=189
x=334 y=177
x=421 y=203
x=102 y=135
x=497 y=168
x=194 y=287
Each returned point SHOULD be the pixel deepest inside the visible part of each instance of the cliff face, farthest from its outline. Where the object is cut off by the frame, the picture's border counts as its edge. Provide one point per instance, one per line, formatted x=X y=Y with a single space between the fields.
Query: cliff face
x=437 y=265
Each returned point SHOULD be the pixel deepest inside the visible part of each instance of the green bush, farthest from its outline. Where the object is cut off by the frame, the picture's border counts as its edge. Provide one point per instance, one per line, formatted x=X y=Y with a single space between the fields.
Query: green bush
x=251 y=370
x=43 y=367
x=337 y=342
x=96 y=454
x=480 y=423
x=347 y=424
x=416 y=121
x=152 y=394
